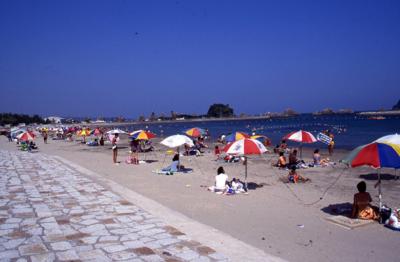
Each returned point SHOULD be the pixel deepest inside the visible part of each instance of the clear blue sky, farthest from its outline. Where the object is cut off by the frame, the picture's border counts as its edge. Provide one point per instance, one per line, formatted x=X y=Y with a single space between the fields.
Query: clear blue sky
x=108 y=58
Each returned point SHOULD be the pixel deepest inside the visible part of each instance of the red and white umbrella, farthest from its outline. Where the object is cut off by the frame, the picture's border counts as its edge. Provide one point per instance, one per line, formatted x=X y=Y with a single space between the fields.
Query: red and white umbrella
x=26 y=136
x=301 y=136
x=245 y=146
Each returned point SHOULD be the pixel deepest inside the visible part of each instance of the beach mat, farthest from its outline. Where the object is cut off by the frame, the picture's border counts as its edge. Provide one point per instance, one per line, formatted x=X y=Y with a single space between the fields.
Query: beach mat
x=347 y=222
x=184 y=171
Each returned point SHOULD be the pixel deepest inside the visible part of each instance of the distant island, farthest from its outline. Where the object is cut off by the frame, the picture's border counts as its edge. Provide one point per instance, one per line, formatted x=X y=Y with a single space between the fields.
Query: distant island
x=217 y=112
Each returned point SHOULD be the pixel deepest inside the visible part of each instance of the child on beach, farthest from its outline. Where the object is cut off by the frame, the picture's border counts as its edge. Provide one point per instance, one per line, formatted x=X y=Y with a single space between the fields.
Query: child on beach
x=294 y=177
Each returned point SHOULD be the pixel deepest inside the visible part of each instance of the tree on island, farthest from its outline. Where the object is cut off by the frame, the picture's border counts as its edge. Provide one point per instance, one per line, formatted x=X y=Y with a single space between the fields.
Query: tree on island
x=396 y=106
x=220 y=110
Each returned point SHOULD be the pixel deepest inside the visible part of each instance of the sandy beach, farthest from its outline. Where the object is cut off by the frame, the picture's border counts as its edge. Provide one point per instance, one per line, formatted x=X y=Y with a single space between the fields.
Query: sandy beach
x=284 y=220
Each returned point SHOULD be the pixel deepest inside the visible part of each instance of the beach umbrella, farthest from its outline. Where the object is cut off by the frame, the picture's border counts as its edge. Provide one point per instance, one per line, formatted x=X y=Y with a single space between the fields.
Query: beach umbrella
x=245 y=147
x=390 y=139
x=376 y=155
x=236 y=136
x=84 y=132
x=177 y=141
x=26 y=136
x=141 y=135
x=262 y=139
x=116 y=131
x=195 y=132
x=97 y=132
x=301 y=136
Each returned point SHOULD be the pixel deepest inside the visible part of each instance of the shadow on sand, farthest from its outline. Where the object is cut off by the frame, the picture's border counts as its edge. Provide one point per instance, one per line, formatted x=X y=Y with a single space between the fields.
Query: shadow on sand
x=254 y=186
x=343 y=209
x=374 y=176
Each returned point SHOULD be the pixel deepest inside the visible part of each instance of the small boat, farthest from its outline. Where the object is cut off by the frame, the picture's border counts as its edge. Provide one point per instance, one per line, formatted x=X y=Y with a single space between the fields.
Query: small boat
x=377 y=118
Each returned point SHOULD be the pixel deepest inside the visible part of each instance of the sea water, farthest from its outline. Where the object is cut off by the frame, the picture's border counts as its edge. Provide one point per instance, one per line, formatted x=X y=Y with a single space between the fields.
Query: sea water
x=350 y=130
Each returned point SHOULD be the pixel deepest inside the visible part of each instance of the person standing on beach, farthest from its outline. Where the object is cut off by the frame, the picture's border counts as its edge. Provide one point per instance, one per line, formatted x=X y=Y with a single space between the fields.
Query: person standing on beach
x=331 y=144
x=115 y=148
x=45 y=137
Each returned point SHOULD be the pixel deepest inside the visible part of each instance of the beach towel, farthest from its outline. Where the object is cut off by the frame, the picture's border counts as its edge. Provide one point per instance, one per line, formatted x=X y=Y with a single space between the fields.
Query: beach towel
x=170 y=173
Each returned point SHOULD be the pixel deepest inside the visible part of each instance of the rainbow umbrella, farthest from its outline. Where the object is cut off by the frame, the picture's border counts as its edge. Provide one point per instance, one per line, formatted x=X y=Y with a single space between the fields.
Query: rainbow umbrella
x=236 y=136
x=195 y=132
x=84 y=132
x=141 y=135
x=245 y=146
x=262 y=139
x=376 y=155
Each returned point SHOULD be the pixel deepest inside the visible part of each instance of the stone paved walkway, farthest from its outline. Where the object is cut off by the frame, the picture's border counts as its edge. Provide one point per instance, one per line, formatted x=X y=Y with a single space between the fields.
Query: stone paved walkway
x=51 y=212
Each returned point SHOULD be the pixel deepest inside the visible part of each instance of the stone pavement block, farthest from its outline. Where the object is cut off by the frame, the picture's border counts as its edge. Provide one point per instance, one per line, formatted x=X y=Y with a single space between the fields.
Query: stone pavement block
x=123 y=255
x=67 y=255
x=47 y=257
x=32 y=249
x=13 y=243
x=60 y=246
x=9 y=254
x=92 y=254
x=188 y=255
x=114 y=248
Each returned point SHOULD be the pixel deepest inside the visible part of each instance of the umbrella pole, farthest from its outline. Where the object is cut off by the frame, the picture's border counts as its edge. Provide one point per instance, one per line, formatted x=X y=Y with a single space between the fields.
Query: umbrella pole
x=301 y=151
x=245 y=174
x=380 y=193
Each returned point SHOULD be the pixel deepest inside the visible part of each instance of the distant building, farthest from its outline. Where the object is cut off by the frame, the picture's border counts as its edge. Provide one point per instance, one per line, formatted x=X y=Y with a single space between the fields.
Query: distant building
x=54 y=119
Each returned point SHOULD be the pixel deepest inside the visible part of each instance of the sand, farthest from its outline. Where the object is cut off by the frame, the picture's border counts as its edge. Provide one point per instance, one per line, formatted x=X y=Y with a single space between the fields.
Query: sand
x=285 y=220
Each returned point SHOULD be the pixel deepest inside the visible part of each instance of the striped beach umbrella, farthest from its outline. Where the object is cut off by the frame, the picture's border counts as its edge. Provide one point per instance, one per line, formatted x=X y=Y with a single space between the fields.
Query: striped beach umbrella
x=376 y=155
x=236 y=136
x=141 y=135
x=26 y=136
x=195 y=132
x=301 y=136
x=245 y=147
x=390 y=139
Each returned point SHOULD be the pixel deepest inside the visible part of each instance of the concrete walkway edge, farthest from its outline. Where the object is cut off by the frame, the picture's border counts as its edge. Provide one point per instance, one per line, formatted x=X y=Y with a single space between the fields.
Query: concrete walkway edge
x=231 y=247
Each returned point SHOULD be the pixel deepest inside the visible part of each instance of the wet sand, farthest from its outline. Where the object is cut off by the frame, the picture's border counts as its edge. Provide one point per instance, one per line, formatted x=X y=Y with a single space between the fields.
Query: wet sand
x=286 y=220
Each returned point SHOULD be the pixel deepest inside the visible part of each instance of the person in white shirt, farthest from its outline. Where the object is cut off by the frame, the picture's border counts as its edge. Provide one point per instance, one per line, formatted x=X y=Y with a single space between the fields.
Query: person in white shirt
x=221 y=181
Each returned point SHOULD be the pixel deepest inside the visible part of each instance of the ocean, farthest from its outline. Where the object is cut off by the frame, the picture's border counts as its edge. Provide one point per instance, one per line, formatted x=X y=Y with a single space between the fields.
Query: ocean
x=350 y=130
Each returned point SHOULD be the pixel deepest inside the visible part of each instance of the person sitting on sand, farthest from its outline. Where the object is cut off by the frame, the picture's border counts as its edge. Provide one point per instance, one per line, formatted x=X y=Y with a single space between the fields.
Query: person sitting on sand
x=283 y=146
x=294 y=177
x=362 y=207
x=281 y=161
x=317 y=159
x=175 y=165
x=294 y=161
x=221 y=181
x=237 y=186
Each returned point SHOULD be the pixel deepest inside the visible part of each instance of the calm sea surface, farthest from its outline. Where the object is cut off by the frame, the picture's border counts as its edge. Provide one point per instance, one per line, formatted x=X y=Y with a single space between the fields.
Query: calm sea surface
x=350 y=130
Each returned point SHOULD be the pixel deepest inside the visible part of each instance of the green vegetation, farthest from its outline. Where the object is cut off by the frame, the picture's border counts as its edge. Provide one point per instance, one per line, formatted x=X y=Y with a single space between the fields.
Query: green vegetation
x=15 y=119
x=220 y=110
